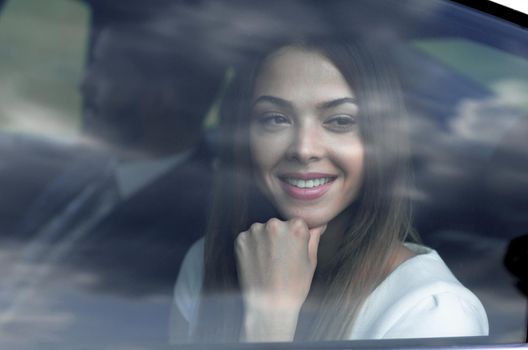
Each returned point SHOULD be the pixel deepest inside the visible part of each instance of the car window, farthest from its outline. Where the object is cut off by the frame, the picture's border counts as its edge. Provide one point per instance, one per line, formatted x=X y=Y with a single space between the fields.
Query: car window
x=297 y=173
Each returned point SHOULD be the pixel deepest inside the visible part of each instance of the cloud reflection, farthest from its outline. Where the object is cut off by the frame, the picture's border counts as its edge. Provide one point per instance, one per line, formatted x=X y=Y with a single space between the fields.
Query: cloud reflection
x=453 y=161
x=18 y=113
x=486 y=121
x=226 y=31
x=27 y=317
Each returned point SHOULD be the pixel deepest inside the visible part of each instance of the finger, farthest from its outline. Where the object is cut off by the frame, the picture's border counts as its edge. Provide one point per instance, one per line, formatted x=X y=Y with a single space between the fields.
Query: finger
x=299 y=229
x=319 y=230
x=256 y=227
x=274 y=226
x=240 y=242
x=313 y=243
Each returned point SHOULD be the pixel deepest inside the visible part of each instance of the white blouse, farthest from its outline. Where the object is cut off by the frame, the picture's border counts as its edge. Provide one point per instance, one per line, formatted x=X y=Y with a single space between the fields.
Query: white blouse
x=421 y=298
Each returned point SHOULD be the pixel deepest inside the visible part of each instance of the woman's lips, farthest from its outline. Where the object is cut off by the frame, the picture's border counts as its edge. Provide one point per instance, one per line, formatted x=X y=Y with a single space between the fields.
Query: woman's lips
x=306 y=186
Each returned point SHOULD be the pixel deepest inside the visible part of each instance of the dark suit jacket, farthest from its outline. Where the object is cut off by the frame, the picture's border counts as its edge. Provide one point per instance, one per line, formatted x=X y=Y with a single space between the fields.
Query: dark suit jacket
x=137 y=246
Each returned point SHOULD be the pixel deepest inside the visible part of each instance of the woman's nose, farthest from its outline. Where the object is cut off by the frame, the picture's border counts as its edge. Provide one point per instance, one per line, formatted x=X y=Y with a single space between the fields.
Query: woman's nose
x=306 y=145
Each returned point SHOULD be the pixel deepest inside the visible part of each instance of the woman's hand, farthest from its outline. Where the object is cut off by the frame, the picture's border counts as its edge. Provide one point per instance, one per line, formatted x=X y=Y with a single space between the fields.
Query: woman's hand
x=276 y=263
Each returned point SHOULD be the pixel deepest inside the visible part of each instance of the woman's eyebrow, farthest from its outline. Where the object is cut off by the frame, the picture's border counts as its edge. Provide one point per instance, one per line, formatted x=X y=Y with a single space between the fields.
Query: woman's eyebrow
x=286 y=104
x=336 y=102
x=275 y=100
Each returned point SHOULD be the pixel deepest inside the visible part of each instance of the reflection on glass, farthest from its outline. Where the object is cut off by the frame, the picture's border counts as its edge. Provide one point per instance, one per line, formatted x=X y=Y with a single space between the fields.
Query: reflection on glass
x=319 y=134
x=93 y=234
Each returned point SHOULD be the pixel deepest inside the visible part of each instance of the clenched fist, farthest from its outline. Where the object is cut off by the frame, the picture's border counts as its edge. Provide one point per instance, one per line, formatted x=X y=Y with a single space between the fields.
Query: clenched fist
x=276 y=262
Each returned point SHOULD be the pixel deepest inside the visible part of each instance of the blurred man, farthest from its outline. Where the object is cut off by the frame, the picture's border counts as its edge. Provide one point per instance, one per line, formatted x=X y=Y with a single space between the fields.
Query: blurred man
x=133 y=210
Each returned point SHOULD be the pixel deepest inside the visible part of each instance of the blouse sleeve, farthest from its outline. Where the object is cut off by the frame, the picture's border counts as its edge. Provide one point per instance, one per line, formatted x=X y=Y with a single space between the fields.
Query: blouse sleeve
x=441 y=315
x=187 y=291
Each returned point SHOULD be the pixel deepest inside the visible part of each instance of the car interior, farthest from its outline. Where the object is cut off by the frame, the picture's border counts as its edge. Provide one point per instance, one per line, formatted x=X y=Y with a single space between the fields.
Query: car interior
x=94 y=228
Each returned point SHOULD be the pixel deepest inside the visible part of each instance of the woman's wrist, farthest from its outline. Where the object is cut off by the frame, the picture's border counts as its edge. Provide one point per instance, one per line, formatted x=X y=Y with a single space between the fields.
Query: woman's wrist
x=272 y=325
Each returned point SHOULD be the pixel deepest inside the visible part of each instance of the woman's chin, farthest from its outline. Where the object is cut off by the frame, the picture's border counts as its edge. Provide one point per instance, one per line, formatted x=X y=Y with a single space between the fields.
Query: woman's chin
x=311 y=222
x=313 y=218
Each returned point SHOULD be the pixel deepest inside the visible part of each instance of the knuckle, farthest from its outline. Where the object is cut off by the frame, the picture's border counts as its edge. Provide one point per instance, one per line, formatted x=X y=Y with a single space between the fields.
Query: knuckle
x=257 y=226
x=273 y=225
x=297 y=221
x=298 y=227
x=241 y=243
x=241 y=238
x=298 y=224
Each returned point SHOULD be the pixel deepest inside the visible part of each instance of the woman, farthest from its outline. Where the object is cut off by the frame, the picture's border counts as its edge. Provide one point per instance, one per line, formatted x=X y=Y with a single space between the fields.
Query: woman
x=316 y=130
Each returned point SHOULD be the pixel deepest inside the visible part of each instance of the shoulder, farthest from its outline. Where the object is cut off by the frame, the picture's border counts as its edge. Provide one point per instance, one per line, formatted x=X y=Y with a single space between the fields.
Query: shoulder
x=193 y=259
x=189 y=282
x=421 y=298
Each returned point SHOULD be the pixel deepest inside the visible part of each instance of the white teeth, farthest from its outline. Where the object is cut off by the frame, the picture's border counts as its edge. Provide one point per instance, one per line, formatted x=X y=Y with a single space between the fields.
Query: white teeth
x=307 y=183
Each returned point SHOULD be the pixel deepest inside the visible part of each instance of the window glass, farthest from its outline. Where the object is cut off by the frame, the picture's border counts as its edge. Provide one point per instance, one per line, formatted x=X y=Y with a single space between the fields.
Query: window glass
x=338 y=173
x=43 y=46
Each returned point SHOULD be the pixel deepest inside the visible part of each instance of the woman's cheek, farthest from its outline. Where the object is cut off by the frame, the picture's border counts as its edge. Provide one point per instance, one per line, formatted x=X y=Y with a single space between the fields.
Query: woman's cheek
x=267 y=150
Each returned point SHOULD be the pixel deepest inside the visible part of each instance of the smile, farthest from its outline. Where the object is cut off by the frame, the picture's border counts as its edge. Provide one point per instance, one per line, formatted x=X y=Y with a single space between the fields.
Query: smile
x=300 y=183
x=306 y=187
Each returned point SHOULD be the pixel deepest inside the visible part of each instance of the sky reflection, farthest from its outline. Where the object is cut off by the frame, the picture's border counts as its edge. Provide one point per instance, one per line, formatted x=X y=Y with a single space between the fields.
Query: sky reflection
x=64 y=288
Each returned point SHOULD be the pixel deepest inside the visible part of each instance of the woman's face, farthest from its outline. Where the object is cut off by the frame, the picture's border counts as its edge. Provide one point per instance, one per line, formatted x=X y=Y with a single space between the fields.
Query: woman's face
x=304 y=136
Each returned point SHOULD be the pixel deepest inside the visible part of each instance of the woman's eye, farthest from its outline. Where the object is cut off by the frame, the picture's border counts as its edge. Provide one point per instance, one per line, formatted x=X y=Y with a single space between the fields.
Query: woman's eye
x=341 y=123
x=273 y=121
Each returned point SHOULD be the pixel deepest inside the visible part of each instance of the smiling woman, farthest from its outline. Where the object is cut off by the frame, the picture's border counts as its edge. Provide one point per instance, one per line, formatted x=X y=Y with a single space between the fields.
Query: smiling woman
x=304 y=136
x=307 y=238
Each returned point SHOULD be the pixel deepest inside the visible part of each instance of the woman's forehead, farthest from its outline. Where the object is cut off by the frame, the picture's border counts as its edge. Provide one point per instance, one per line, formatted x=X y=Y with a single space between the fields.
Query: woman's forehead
x=296 y=59
x=293 y=70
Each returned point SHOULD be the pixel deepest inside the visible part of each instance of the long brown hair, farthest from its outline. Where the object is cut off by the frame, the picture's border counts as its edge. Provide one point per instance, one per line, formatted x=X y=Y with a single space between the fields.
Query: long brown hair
x=377 y=220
